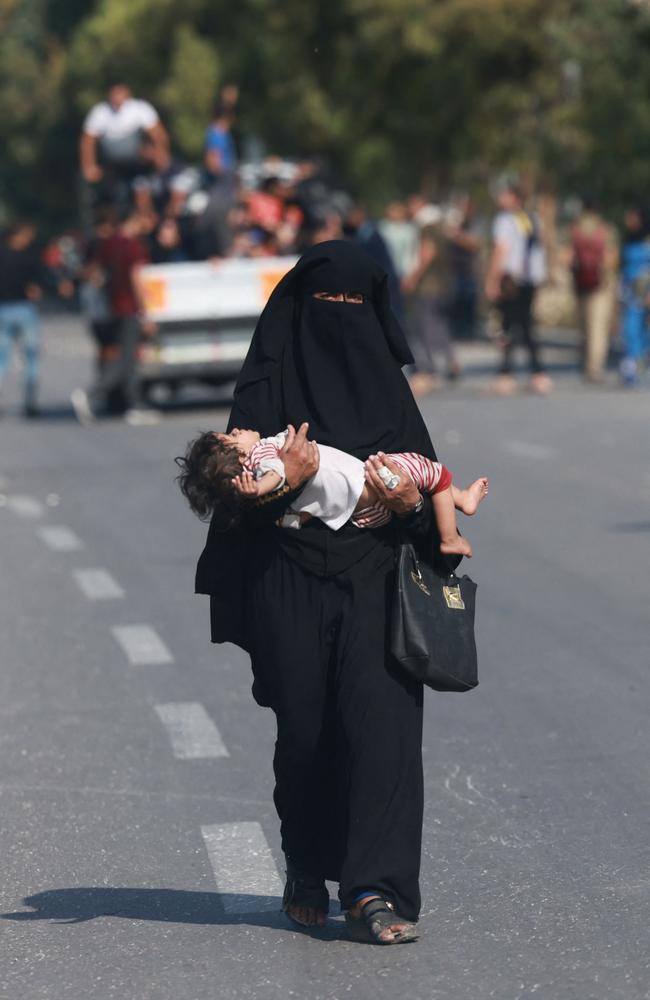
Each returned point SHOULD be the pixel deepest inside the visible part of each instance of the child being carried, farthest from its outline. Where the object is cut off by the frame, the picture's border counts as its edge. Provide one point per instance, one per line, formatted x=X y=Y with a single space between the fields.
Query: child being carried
x=226 y=472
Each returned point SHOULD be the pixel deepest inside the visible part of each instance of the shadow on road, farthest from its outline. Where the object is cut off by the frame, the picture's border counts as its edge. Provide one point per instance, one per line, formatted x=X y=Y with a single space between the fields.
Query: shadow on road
x=75 y=906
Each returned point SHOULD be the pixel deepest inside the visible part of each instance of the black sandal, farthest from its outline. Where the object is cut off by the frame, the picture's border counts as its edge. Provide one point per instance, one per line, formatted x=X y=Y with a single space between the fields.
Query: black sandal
x=378 y=915
x=303 y=889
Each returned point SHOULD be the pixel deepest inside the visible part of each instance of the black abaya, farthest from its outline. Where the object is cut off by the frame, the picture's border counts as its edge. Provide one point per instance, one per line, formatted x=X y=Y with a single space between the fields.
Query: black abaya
x=337 y=366
x=348 y=757
x=311 y=605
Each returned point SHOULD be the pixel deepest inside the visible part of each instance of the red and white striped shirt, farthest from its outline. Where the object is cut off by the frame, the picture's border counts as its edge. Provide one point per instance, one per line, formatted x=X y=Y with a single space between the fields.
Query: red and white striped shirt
x=265 y=457
x=429 y=477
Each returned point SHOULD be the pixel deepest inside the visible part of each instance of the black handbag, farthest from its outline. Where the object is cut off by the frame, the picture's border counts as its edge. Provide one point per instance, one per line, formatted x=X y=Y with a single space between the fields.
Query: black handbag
x=432 y=624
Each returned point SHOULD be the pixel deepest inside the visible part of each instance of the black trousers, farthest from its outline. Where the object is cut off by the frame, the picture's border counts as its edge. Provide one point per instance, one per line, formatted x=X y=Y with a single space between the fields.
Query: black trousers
x=348 y=756
x=430 y=334
x=120 y=372
x=517 y=324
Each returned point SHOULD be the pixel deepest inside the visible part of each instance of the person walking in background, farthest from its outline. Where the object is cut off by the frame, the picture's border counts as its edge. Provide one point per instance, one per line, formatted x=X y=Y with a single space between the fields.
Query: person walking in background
x=465 y=238
x=430 y=285
x=93 y=297
x=635 y=293
x=401 y=236
x=516 y=269
x=22 y=280
x=113 y=140
x=119 y=256
x=594 y=263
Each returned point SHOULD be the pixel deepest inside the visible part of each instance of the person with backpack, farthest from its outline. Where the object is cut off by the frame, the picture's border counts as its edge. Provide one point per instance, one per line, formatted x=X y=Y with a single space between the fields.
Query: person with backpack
x=516 y=269
x=594 y=262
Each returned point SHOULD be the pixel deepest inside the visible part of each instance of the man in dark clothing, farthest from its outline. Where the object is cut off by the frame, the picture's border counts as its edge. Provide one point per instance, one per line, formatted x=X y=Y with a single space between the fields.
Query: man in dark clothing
x=22 y=277
x=464 y=235
x=120 y=256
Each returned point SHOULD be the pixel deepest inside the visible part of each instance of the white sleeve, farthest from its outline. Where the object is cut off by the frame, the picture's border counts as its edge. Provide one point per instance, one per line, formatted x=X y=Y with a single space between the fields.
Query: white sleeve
x=95 y=121
x=501 y=229
x=147 y=114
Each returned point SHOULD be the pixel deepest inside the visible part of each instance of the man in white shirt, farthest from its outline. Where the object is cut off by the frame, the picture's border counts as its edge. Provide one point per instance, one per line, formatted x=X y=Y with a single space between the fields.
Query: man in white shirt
x=516 y=268
x=115 y=136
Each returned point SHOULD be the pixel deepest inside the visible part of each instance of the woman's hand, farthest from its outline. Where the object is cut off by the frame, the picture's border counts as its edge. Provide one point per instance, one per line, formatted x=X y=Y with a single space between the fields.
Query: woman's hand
x=300 y=456
x=404 y=498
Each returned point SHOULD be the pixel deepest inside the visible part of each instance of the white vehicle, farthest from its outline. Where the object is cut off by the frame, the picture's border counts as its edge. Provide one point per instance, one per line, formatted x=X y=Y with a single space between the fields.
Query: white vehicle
x=205 y=313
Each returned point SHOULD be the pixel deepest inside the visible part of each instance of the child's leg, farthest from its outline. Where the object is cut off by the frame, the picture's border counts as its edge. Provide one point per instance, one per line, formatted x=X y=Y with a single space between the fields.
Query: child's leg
x=451 y=543
x=468 y=500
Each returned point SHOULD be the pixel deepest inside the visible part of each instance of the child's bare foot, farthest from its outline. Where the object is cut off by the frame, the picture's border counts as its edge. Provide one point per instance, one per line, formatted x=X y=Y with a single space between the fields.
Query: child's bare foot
x=470 y=498
x=457 y=546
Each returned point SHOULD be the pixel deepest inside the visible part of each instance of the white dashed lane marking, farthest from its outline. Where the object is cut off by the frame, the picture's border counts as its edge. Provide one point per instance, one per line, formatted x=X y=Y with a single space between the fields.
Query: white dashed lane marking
x=142 y=644
x=59 y=538
x=243 y=866
x=191 y=731
x=524 y=449
x=98 y=584
x=25 y=506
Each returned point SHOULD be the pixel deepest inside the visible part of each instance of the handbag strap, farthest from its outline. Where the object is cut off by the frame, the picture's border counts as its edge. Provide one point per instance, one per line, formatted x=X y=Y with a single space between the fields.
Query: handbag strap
x=451 y=572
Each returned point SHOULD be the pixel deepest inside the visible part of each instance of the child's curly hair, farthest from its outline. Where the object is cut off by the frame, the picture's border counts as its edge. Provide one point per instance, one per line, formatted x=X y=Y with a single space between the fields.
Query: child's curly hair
x=207 y=470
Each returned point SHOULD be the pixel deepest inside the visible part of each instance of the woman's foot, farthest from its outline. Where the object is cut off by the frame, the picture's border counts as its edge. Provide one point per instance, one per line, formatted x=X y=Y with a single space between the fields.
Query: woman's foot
x=306 y=916
x=374 y=920
x=468 y=500
x=458 y=546
x=306 y=900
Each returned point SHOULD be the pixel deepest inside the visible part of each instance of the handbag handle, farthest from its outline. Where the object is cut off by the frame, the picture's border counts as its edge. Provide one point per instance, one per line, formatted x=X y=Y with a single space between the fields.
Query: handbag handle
x=451 y=572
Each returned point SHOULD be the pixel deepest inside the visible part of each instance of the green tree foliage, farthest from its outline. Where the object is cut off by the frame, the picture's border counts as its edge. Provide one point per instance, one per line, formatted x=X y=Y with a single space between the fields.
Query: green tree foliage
x=32 y=66
x=397 y=94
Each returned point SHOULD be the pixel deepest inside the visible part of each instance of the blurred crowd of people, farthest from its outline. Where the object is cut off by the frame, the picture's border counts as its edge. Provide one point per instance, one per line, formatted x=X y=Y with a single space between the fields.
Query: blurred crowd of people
x=217 y=208
x=139 y=204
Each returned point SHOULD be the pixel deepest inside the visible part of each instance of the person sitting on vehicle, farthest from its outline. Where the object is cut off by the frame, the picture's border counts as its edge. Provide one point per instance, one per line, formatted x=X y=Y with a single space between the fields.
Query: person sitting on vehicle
x=113 y=139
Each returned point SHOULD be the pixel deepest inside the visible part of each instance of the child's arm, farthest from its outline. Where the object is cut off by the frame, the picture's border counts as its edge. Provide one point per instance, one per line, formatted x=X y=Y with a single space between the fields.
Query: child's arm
x=246 y=486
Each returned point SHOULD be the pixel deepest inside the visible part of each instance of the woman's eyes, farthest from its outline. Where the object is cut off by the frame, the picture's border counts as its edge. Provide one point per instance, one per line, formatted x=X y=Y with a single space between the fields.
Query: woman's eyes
x=351 y=297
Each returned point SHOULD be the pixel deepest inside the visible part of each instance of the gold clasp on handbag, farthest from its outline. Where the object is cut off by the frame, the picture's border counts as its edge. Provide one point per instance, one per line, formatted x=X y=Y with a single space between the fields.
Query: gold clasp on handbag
x=454 y=598
x=417 y=578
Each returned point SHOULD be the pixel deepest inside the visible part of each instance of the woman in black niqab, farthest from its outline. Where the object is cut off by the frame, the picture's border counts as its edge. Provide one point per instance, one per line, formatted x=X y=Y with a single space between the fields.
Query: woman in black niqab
x=337 y=365
x=311 y=606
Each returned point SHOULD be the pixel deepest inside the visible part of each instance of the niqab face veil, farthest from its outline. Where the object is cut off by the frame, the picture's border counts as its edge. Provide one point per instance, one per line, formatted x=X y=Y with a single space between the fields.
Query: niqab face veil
x=336 y=365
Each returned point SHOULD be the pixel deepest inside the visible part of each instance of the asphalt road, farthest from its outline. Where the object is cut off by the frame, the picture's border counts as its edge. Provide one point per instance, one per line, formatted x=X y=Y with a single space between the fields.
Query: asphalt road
x=140 y=852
